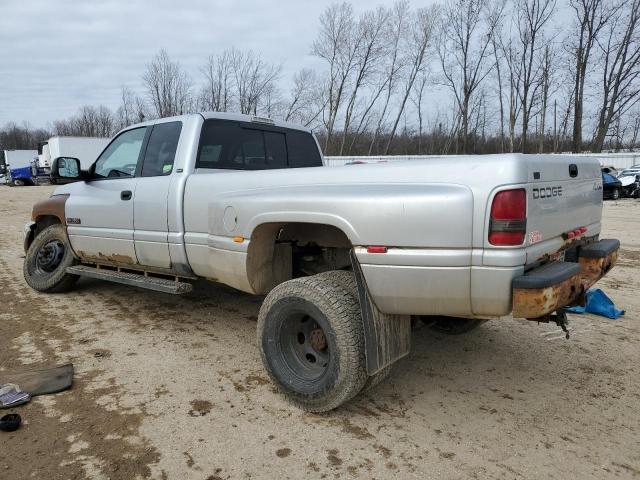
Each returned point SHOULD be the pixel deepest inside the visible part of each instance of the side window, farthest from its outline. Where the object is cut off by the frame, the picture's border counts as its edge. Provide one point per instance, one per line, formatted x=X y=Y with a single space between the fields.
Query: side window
x=227 y=145
x=120 y=158
x=161 y=149
x=303 y=150
x=219 y=141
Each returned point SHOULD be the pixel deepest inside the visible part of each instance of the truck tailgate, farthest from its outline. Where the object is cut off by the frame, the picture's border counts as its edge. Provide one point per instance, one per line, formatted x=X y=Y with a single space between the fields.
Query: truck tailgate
x=564 y=193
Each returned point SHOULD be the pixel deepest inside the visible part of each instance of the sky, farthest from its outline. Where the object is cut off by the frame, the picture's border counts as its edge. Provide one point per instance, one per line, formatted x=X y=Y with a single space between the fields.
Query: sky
x=56 y=56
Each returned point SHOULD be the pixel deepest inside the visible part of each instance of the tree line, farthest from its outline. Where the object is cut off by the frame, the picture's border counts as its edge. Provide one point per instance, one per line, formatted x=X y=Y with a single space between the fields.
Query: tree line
x=461 y=76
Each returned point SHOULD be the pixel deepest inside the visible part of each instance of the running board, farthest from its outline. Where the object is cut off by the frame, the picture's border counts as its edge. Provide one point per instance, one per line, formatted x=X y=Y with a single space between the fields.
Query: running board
x=164 y=285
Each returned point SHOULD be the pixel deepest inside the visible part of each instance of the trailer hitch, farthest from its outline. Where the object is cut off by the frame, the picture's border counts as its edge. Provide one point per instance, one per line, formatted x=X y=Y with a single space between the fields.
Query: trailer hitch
x=559 y=318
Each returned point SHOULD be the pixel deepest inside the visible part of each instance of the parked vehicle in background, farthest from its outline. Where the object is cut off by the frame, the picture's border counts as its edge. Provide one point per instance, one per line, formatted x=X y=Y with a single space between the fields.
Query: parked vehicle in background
x=611 y=187
x=629 y=181
x=16 y=166
x=632 y=190
x=345 y=257
x=85 y=149
x=611 y=170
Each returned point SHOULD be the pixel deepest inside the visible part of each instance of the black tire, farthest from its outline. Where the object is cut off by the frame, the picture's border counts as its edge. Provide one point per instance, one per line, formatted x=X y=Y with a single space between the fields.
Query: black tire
x=615 y=195
x=316 y=371
x=47 y=260
x=451 y=325
x=18 y=182
x=347 y=280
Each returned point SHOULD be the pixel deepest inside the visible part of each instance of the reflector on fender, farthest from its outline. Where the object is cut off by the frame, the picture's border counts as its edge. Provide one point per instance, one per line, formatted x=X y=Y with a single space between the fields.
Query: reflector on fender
x=376 y=249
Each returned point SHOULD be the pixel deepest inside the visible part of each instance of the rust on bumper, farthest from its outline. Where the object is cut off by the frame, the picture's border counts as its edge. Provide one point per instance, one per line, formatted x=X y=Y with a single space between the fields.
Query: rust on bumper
x=534 y=303
x=593 y=269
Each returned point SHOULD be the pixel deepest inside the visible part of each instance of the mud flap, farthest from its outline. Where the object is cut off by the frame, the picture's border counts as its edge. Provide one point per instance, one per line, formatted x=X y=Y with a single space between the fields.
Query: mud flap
x=387 y=338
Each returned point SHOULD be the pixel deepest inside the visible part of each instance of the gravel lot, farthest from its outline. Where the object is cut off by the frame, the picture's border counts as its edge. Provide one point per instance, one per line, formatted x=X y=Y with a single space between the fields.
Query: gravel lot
x=172 y=387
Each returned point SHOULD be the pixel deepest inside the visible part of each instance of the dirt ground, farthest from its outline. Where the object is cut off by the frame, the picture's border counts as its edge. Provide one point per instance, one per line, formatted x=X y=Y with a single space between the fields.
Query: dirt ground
x=173 y=388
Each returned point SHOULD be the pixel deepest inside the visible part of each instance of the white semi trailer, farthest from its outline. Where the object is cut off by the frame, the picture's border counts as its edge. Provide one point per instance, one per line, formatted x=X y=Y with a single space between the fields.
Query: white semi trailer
x=85 y=149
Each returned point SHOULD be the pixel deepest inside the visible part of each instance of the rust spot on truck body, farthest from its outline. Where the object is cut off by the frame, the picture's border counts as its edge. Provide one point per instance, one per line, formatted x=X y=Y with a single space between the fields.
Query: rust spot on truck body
x=113 y=259
x=52 y=206
x=533 y=303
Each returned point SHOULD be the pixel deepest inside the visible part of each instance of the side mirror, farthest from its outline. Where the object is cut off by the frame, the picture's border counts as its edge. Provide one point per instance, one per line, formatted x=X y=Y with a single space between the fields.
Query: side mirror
x=66 y=168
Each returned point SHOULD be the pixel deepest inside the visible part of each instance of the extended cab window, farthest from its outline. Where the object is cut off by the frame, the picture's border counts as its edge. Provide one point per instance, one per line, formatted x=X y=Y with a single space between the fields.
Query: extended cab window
x=161 y=149
x=303 y=150
x=229 y=145
x=120 y=158
x=232 y=145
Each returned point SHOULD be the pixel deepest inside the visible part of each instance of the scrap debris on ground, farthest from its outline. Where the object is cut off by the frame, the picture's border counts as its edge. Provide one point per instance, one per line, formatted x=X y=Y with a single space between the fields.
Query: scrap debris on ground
x=173 y=387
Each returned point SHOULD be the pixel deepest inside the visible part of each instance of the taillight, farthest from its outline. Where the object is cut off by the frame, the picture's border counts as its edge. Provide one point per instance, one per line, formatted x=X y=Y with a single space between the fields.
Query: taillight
x=508 y=224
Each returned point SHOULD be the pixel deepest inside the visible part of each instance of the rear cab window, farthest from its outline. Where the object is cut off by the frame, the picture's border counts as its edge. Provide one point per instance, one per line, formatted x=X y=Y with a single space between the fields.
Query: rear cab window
x=226 y=144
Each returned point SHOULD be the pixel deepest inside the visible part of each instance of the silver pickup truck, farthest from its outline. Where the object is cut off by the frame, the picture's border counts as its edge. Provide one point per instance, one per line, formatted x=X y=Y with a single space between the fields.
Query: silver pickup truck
x=348 y=257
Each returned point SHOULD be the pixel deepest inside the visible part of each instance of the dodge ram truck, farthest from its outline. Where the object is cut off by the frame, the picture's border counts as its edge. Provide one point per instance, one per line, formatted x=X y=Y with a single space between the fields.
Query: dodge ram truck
x=347 y=257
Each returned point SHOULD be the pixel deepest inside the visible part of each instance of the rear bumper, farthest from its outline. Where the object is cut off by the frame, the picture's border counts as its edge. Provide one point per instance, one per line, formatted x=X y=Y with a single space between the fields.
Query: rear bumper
x=544 y=290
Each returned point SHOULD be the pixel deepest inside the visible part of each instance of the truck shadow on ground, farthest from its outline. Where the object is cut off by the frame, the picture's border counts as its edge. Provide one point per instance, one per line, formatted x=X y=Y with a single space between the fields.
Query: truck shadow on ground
x=500 y=362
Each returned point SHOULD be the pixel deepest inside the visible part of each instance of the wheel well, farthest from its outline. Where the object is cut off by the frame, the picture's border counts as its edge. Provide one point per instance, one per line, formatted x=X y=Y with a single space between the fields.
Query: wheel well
x=45 y=221
x=42 y=222
x=27 y=181
x=281 y=251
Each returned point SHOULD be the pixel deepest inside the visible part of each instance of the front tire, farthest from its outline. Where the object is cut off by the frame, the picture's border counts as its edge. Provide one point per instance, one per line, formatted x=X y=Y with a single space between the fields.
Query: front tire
x=615 y=195
x=47 y=259
x=312 y=342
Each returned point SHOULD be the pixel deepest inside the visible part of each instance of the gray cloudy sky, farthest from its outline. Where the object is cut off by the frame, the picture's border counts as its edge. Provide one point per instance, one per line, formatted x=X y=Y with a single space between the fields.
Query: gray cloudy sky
x=56 y=56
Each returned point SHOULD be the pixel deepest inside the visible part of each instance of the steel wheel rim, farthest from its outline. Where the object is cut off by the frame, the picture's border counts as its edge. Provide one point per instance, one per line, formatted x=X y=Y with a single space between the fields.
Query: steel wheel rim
x=49 y=257
x=304 y=346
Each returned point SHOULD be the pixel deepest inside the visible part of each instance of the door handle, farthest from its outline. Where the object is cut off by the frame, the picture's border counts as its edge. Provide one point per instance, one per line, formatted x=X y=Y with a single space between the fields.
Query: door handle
x=125 y=195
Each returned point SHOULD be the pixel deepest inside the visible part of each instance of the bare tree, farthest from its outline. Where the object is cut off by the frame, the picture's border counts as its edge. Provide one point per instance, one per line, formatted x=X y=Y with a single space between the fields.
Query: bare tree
x=88 y=122
x=394 y=64
x=368 y=44
x=514 y=83
x=495 y=39
x=305 y=103
x=254 y=80
x=591 y=16
x=417 y=45
x=132 y=109
x=25 y=137
x=621 y=70
x=335 y=45
x=466 y=31
x=217 y=92
x=545 y=86
x=532 y=16
x=417 y=96
x=168 y=87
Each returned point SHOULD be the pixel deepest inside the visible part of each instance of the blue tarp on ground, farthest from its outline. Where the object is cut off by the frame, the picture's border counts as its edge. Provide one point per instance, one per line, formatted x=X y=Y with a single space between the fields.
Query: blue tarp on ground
x=599 y=304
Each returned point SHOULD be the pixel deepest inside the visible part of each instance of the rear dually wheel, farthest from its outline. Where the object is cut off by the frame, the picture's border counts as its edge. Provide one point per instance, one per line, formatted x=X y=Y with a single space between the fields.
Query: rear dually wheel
x=312 y=342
